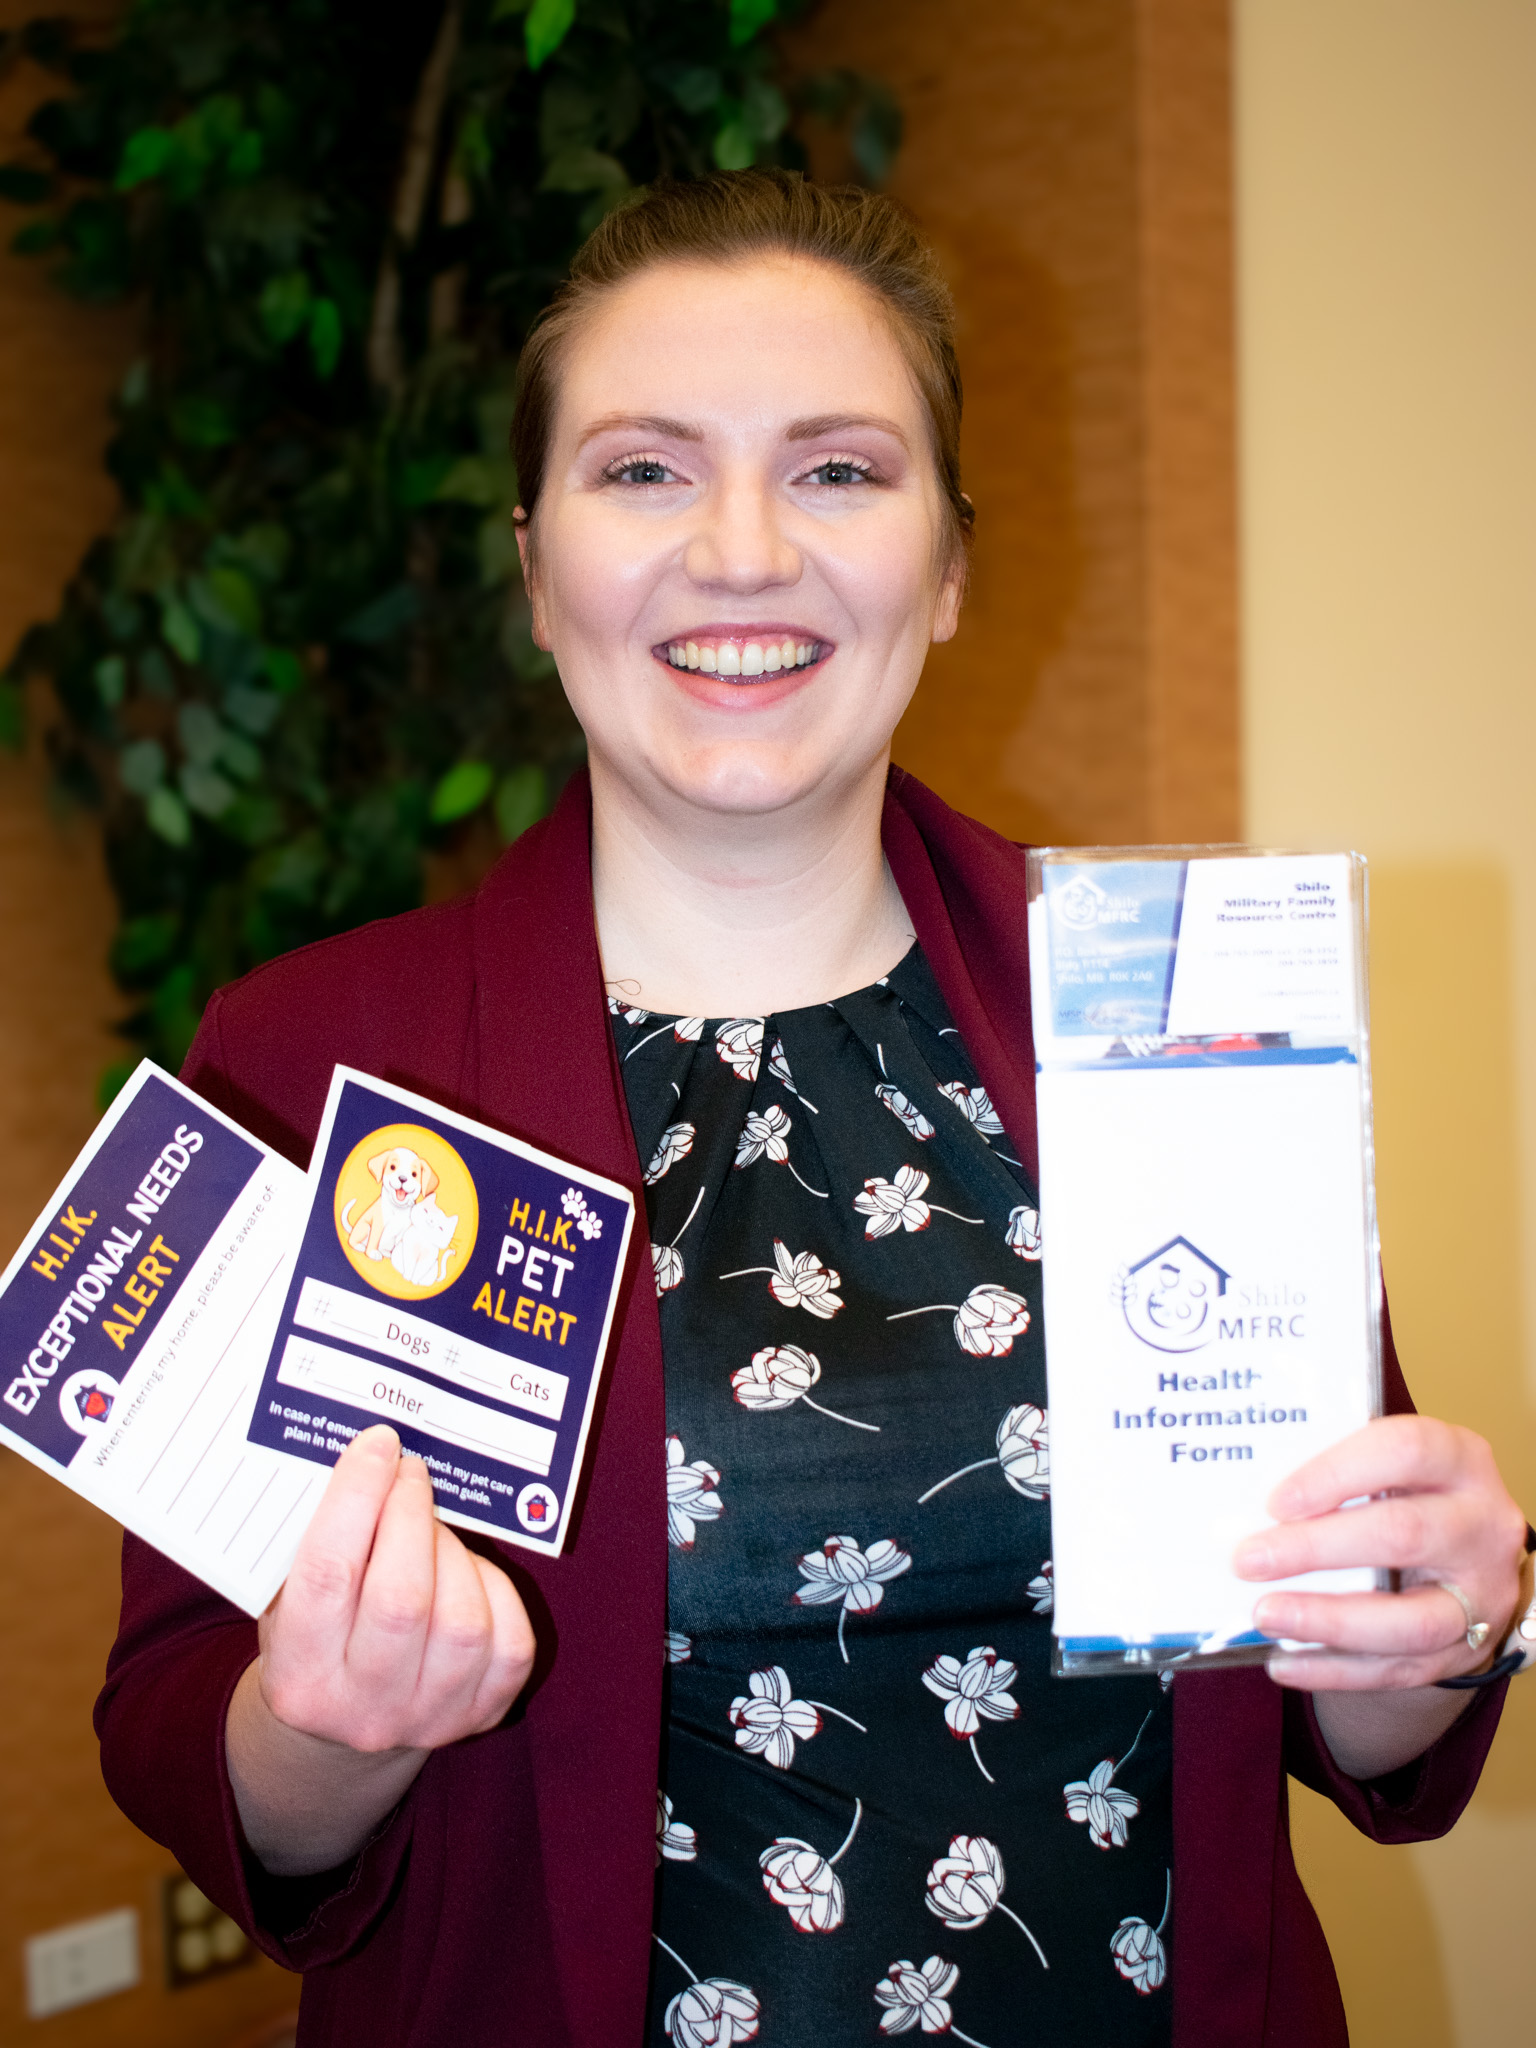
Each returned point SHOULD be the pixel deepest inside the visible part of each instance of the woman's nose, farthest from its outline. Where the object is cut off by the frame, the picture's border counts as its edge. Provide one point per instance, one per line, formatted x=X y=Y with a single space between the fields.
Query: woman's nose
x=740 y=544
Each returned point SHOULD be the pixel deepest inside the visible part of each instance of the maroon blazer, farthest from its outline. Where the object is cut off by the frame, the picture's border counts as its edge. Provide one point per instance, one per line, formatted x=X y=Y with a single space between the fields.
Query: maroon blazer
x=508 y=1899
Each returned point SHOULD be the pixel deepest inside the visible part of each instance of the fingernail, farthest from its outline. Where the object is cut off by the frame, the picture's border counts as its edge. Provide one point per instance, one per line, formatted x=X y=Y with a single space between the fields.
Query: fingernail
x=1272 y=1617
x=1253 y=1560
x=380 y=1439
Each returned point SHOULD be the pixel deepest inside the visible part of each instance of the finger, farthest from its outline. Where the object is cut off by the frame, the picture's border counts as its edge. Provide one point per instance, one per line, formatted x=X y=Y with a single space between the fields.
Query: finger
x=1411 y=1531
x=394 y=1609
x=512 y=1650
x=1394 y=1451
x=458 y=1645
x=315 y=1610
x=1424 y=1622
x=1302 y=1671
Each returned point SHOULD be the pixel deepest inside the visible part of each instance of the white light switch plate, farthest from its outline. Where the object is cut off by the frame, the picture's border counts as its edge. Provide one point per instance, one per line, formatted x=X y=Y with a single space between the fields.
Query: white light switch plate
x=74 y=1965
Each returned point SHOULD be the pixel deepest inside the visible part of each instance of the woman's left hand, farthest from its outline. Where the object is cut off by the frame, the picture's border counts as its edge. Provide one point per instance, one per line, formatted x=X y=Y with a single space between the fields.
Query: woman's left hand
x=1433 y=1507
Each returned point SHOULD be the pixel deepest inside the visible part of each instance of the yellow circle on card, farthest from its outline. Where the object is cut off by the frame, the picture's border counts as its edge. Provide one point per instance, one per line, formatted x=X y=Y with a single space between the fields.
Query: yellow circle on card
x=406 y=1211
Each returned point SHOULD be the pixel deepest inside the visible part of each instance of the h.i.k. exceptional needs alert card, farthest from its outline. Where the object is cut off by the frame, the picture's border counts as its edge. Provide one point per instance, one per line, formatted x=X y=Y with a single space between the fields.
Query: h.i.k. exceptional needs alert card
x=134 y=1324
x=194 y=1329
x=459 y=1285
x=1212 y=1281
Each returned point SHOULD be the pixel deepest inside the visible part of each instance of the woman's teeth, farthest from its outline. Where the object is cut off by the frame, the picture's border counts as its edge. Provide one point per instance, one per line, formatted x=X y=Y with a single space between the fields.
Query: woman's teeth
x=753 y=658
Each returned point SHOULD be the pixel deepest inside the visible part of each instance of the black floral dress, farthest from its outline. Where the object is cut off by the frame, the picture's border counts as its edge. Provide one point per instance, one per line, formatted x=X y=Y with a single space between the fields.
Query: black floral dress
x=879 y=1813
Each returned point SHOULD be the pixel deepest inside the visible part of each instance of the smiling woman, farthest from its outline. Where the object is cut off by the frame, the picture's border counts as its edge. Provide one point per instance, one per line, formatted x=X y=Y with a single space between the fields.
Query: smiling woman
x=451 y=1787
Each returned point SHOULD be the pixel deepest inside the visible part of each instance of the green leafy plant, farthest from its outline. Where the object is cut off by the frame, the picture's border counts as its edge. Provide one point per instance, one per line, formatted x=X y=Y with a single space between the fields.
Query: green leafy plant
x=300 y=661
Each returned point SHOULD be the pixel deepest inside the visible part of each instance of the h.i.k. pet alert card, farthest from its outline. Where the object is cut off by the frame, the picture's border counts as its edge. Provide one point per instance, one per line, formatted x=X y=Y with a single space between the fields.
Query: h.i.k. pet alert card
x=459 y=1285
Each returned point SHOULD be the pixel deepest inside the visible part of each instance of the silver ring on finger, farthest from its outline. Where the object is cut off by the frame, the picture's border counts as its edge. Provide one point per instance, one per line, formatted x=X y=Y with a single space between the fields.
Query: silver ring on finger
x=1478 y=1632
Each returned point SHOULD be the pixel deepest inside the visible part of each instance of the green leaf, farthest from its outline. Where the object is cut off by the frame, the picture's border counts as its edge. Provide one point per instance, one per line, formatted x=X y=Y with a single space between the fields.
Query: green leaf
x=141 y=766
x=227 y=599
x=147 y=155
x=254 y=710
x=384 y=617
x=143 y=942
x=284 y=305
x=476 y=480
x=585 y=170
x=200 y=733
x=110 y=676
x=325 y=336
x=462 y=790
x=239 y=757
x=418 y=482
x=168 y=817
x=748 y=18
x=245 y=158
x=522 y=797
x=181 y=630
x=283 y=670
x=733 y=148
x=204 y=789
x=202 y=422
x=547 y=26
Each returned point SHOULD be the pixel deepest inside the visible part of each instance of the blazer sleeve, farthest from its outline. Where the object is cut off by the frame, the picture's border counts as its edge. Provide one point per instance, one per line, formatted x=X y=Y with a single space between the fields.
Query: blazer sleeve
x=1426 y=1797
x=160 y=1719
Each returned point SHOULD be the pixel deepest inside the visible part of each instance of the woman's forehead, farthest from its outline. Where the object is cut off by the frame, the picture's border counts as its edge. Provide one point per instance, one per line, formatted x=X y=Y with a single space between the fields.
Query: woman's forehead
x=766 y=342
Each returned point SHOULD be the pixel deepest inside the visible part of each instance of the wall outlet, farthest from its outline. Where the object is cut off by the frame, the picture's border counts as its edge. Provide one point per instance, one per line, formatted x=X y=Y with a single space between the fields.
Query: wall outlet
x=74 y=1965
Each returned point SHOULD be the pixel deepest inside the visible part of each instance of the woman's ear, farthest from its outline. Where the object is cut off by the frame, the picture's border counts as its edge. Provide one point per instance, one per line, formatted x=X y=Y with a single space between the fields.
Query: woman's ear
x=946 y=611
x=522 y=526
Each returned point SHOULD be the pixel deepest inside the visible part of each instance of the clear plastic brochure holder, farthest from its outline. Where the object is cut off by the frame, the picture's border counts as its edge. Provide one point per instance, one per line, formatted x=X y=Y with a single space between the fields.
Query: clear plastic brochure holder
x=1212 y=1266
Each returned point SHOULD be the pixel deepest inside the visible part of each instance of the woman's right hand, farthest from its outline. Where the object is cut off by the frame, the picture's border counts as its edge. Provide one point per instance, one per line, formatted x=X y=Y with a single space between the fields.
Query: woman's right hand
x=388 y=1640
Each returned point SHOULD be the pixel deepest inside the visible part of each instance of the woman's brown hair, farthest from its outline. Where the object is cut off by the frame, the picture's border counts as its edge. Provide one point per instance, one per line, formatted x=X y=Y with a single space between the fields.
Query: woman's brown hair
x=734 y=215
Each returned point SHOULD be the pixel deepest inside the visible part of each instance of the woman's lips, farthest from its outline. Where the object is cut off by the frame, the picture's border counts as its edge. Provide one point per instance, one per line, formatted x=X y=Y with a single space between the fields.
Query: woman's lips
x=744 y=652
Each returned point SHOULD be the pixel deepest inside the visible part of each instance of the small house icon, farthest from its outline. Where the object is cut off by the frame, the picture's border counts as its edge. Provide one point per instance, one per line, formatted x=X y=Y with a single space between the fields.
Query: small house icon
x=537 y=1509
x=94 y=1403
x=1168 y=1296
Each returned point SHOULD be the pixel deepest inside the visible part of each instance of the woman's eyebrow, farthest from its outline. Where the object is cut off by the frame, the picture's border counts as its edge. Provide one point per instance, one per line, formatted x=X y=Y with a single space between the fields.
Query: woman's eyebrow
x=641 y=423
x=821 y=424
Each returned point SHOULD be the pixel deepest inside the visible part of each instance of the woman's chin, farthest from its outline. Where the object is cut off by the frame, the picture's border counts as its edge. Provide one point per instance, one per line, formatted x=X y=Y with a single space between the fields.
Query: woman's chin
x=752 y=779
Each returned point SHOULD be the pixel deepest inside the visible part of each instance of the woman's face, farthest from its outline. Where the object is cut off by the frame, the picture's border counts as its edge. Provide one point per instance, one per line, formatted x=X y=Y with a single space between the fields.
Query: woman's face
x=739 y=556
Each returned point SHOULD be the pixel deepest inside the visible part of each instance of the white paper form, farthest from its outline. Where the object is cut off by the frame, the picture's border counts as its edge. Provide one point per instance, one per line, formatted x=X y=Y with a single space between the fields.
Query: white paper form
x=1210 y=1278
x=135 y=1321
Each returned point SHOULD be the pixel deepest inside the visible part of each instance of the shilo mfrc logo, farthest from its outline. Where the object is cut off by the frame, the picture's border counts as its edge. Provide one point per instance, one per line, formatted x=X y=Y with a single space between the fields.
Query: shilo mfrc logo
x=1178 y=1299
x=1170 y=1296
x=86 y=1401
x=538 y=1509
x=1082 y=904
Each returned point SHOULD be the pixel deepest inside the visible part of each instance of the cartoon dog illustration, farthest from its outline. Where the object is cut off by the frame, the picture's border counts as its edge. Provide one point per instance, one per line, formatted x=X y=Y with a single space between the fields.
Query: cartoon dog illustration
x=422 y=1253
x=404 y=1179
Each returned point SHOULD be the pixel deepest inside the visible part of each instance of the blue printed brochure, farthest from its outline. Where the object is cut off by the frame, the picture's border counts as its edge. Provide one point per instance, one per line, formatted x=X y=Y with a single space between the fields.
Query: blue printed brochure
x=193 y=1330
x=455 y=1283
x=1211 y=1282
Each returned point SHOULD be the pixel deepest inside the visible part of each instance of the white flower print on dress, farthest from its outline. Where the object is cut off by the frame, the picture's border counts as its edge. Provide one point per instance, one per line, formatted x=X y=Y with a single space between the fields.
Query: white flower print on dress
x=973 y=1692
x=1042 y=1588
x=675 y=1143
x=779 y=1376
x=920 y=1997
x=714 y=2012
x=1097 y=1799
x=1138 y=1949
x=840 y=1570
x=739 y=1042
x=799 y=1878
x=966 y=1887
x=1023 y=1232
x=905 y=1111
x=768 y=1719
x=798 y=1280
x=975 y=1105
x=666 y=1259
x=679 y=1648
x=691 y=1495
x=1023 y=1452
x=686 y=1031
x=987 y=1323
x=898 y=1204
x=675 y=1840
x=778 y=1066
x=766 y=1135
x=617 y=1007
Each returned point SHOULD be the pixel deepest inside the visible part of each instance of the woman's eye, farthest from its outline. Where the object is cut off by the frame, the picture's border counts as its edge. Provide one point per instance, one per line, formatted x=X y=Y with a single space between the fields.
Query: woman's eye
x=839 y=473
x=643 y=470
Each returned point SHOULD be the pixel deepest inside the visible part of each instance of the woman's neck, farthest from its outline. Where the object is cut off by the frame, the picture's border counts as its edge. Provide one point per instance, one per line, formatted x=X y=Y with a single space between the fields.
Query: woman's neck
x=723 y=915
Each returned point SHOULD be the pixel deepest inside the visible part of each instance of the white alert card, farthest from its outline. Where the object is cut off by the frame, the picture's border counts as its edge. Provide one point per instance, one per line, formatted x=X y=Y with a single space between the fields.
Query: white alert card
x=135 y=1321
x=1211 y=1276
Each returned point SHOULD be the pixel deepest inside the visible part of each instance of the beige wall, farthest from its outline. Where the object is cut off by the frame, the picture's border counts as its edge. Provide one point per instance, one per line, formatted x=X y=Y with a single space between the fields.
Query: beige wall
x=1387 y=223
